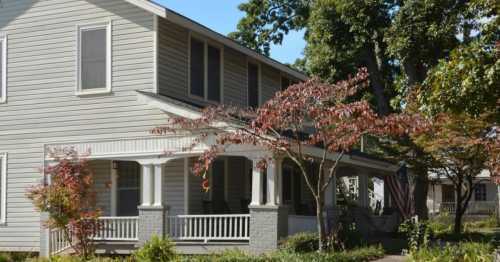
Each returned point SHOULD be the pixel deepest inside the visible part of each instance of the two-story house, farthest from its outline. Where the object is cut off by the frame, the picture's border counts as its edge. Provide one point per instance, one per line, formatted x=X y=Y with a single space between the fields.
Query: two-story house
x=98 y=75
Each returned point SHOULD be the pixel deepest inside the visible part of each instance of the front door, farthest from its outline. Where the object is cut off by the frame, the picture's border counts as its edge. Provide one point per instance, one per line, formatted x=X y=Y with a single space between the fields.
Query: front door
x=128 y=188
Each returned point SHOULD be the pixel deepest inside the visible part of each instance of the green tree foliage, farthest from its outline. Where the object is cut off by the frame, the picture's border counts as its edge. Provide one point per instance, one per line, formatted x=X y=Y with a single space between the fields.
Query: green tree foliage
x=468 y=80
x=458 y=146
x=269 y=21
x=403 y=44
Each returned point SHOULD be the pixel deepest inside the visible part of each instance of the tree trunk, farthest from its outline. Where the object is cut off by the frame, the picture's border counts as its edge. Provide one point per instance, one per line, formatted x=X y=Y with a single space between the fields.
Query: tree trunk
x=376 y=81
x=457 y=228
x=420 y=194
x=321 y=224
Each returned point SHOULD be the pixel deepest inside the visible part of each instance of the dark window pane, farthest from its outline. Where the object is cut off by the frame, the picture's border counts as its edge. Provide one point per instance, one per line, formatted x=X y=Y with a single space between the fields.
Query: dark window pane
x=480 y=192
x=287 y=184
x=253 y=85
x=128 y=188
x=214 y=71
x=93 y=59
x=197 y=68
x=285 y=83
x=448 y=193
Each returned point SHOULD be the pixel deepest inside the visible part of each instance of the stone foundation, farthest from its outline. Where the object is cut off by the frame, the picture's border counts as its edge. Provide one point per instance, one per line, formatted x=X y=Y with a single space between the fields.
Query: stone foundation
x=151 y=223
x=268 y=224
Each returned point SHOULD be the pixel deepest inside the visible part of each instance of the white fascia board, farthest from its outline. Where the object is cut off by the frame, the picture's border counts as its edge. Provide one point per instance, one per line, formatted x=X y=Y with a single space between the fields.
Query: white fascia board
x=150 y=6
x=169 y=107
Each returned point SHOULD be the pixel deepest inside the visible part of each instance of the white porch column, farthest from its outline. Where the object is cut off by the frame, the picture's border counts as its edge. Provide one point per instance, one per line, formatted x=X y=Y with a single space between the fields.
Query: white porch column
x=257 y=181
x=158 y=185
x=147 y=185
x=272 y=182
x=363 y=190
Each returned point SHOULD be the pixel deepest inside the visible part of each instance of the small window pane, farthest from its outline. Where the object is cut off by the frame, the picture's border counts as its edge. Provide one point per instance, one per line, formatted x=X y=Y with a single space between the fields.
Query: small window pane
x=253 y=85
x=214 y=71
x=93 y=57
x=197 y=68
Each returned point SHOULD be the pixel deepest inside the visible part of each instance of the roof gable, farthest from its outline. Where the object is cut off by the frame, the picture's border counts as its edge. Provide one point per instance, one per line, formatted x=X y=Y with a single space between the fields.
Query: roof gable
x=179 y=19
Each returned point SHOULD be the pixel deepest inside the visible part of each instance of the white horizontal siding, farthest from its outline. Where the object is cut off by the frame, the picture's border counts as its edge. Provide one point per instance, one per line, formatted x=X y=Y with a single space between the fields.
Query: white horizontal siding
x=42 y=107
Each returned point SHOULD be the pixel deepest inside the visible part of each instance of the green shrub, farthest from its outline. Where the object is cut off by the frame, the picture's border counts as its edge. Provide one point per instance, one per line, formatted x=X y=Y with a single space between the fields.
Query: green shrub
x=440 y=224
x=156 y=250
x=463 y=251
x=16 y=256
x=301 y=243
x=417 y=234
x=490 y=222
x=356 y=255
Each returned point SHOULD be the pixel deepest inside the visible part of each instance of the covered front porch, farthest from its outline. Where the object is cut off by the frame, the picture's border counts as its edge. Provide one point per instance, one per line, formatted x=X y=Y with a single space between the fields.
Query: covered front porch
x=142 y=191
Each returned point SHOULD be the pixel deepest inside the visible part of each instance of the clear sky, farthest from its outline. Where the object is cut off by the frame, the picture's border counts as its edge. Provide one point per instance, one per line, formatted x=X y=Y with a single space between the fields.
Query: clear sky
x=223 y=16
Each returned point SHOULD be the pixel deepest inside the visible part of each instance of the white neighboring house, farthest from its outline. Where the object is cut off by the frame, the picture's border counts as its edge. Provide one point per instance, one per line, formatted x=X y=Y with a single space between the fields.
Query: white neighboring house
x=98 y=75
x=441 y=196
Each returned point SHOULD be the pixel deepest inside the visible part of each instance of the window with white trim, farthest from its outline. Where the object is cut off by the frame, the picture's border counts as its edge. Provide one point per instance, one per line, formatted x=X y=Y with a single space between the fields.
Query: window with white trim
x=205 y=70
x=94 y=58
x=3 y=68
x=3 y=188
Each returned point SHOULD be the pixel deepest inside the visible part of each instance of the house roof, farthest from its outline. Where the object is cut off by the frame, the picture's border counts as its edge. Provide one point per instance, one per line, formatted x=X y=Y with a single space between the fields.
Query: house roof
x=179 y=19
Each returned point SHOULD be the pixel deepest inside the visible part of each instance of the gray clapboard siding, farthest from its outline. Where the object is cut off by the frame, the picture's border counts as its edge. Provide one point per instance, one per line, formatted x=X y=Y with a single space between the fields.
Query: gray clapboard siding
x=235 y=78
x=173 y=186
x=271 y=82
x=102 y=179
x=42 y=107
x=172 y=59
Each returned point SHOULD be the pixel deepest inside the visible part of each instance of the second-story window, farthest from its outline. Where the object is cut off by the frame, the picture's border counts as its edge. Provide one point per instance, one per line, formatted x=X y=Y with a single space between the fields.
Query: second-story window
x=205 y=70
x=253 y=85
x=94 y=58
x=3 y=68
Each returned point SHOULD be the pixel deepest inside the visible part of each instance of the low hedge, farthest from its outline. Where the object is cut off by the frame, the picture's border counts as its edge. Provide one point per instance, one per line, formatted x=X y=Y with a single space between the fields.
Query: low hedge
x=355 y=255
x=462 y=251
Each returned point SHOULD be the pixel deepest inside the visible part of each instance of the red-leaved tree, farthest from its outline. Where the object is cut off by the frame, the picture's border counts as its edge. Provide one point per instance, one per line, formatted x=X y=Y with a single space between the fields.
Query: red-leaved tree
x=307 y=115
x=69 y=199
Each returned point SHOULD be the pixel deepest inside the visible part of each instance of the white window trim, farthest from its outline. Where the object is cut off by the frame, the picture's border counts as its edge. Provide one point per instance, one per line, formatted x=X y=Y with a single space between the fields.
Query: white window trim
x=206 y=42
x=3 y=64
x=259 y=82
x=106 y=25
x=3 y=179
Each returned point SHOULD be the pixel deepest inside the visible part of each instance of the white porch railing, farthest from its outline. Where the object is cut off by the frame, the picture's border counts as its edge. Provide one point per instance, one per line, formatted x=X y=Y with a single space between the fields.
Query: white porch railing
x=57 y=242
x=208 y=227
x=474 y=207
x=117 y=229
